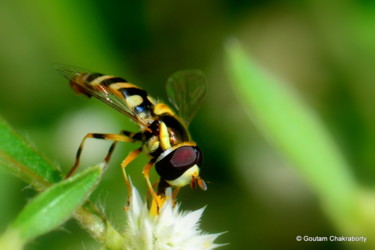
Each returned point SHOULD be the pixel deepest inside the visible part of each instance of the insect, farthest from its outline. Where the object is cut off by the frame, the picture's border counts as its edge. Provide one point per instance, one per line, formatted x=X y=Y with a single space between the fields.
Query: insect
x=163 y=134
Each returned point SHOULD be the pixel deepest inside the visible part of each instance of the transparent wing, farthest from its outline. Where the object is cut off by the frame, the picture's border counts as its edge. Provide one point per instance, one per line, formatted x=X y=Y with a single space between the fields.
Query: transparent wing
x=186 y=91
x=105 y=94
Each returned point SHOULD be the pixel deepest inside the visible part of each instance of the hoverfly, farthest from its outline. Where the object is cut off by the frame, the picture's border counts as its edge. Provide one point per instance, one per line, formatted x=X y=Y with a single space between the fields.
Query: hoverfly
x=163 y=134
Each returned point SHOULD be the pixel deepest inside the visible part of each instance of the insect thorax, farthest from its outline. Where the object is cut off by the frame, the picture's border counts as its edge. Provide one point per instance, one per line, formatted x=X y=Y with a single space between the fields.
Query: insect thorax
x=167 y=131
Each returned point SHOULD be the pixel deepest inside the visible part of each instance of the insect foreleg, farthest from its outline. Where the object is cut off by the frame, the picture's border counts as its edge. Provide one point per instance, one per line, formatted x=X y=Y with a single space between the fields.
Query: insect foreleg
x=146 y=172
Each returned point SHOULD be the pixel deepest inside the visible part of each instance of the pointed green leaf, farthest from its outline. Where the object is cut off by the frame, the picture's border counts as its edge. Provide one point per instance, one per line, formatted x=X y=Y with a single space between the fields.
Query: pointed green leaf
x=20 y=158
x=294 y=129
x=55 y=205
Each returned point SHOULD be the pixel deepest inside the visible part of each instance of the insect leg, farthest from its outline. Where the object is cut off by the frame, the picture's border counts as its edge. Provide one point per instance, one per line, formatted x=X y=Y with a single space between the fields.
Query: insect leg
x=156 y=184
x=146 y=172
x=131 y=156
x=123 y=137
x=110 y=151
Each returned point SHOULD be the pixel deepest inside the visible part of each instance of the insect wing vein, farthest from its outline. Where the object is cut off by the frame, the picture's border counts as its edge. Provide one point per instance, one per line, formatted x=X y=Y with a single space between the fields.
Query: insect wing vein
x=186 y=90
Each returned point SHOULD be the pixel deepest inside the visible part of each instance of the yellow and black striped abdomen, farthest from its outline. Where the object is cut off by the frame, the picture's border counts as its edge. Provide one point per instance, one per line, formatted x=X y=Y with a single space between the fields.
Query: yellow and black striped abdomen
x=135 y=98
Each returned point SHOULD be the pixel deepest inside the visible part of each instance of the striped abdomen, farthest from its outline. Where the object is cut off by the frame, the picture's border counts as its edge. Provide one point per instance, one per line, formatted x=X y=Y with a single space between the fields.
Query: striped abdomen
x=135 y=98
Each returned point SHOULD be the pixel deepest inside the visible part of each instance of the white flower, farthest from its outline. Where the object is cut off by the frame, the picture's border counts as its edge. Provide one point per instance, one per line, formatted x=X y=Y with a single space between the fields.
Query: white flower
x=170 y=229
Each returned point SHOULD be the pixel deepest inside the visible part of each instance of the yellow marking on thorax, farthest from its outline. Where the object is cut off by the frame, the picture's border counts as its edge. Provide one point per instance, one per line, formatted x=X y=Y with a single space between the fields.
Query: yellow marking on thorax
x=164 y=136
x=152 y=144
x=162 y=108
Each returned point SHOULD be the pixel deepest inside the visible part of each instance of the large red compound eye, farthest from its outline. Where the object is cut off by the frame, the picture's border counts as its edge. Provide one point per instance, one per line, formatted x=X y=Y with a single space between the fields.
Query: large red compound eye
x=183 y=156
x=178 y=161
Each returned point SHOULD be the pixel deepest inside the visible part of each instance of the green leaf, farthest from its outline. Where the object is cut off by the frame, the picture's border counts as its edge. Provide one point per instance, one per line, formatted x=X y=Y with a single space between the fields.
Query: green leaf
x=300 y=137
x=296 y=132
x=10 y=240
x=20 y=158
x=54 y=206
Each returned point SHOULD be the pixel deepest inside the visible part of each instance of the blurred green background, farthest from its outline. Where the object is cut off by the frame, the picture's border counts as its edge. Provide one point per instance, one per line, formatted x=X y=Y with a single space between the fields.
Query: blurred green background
x=325 y=51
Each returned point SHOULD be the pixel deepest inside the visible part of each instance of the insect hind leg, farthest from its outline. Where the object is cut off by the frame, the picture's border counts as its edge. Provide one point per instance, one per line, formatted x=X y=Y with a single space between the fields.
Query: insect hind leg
x=123 y=136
